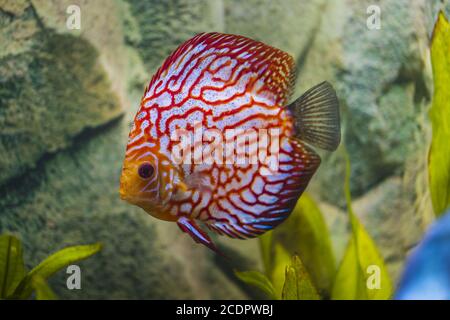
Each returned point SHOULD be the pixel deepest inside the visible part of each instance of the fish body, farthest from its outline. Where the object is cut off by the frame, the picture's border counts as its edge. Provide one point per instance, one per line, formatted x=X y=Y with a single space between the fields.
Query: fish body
x=214 y=141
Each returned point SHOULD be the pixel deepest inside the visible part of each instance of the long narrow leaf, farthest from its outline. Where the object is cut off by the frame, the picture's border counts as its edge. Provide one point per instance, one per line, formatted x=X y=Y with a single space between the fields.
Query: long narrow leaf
x=439 y=155
x=12 y=269
x=42 y=289
x=259 y=280
x=349 y=283
x=360 y=260
x=265 y=243
x=281 y=259
x=54 y=263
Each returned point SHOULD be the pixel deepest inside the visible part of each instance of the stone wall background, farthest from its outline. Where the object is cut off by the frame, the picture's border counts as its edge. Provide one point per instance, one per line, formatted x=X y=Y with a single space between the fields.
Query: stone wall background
x=67 y=98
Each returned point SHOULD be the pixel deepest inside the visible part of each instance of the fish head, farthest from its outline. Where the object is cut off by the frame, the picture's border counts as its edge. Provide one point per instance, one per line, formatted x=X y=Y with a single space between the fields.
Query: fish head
x=147 y=179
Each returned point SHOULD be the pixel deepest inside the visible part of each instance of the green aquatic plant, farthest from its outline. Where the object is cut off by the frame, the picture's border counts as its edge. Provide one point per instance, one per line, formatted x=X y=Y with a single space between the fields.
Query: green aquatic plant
x=426 y=272
x=298 y=284
x=311 y=273
x=439 y=154
x=16 y=283
x=258 y=280
x=361 y=258
x=305 y=233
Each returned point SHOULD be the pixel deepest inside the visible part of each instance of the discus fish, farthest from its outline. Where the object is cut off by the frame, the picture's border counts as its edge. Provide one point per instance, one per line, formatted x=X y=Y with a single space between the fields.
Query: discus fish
x=211 y=85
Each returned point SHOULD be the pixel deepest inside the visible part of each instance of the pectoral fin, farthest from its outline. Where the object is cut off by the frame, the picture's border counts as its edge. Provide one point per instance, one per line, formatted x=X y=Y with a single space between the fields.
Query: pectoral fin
x=191 y=228
x=316 y=115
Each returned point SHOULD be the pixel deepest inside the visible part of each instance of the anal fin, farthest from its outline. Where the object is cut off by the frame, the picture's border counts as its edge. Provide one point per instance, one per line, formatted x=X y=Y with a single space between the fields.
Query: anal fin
x=270 y=199
x=316 y=115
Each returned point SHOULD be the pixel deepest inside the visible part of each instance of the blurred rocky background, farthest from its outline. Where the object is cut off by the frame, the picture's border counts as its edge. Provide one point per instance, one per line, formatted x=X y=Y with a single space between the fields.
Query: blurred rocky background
x=67 y=98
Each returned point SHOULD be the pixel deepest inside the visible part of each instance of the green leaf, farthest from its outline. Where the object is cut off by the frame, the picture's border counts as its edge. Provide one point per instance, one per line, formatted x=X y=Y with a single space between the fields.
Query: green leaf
x=362 y=273
x=281 y=259
x=439 y=155
x=42 y=289
x=259 y=280
x=305 y=233
x=290 y=285
x=54 y=263
x=350 y=283
x=298 y=284
x=12 y=269
x=265 y=243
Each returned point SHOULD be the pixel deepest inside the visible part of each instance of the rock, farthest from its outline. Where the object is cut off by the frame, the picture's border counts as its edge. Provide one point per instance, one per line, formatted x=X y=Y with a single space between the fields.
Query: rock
x=101 y=25
x=289 y=25
x=52 y=88
x=161 y=26
x=432 y=10
x=375 y=62
x=373 y=71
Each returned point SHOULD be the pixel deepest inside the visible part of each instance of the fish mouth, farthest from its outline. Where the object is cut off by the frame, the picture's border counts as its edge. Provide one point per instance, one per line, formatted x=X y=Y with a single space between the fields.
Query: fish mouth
x=122 y=194
x=126 y=196
x=123 y=184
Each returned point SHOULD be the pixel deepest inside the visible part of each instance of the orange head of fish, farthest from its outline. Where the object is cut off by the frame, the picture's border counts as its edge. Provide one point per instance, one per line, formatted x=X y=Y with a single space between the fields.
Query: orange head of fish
x=147 y=178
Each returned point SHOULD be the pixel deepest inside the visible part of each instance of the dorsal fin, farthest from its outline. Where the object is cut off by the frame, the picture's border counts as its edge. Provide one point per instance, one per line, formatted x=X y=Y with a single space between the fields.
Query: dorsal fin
x=275 y=68
x=316 y=117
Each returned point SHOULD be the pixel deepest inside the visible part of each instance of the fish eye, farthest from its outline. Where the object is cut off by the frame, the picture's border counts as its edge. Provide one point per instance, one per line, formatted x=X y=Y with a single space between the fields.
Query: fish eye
x=146 y=170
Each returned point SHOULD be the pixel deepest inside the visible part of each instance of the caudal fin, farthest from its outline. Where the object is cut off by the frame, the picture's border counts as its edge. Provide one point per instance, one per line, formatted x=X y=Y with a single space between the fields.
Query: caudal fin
x=317 y=119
